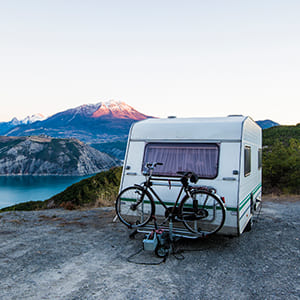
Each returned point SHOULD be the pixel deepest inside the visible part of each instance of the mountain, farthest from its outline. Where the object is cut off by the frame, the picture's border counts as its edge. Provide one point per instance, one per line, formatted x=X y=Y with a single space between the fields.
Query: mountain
x=264 y=124
x=38 y=155
x=6 y=126
x=92 y=123
x=32 y=119
x=117 y=110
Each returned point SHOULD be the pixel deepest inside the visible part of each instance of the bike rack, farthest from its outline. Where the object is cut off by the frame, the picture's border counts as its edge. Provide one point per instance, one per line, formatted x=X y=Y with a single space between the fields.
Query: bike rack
x=175 y=232
x=161 y=240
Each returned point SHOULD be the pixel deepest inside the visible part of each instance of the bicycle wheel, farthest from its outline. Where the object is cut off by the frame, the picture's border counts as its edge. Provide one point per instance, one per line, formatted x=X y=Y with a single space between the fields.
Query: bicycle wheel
x=203 y=213
x=134 y=206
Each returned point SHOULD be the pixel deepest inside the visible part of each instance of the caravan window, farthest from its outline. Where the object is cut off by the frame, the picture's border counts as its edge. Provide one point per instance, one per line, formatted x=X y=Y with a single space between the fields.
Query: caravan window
x=259 y=158
x=201 y=159
x=247 y=161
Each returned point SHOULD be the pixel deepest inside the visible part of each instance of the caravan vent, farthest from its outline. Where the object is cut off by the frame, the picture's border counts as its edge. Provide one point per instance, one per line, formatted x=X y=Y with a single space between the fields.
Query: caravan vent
x=230 y=116
x=171 y=117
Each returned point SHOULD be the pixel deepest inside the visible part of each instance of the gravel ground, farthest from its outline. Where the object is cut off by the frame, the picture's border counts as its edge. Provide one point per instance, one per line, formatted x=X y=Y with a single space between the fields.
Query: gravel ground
x=58 y=254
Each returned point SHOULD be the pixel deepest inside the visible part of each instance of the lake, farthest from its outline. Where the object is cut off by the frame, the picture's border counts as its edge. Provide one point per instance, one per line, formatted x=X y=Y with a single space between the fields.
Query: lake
x=17 y=189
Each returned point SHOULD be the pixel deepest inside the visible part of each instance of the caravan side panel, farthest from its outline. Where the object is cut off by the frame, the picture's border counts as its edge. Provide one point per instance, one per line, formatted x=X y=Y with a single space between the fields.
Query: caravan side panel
x=250 y=177
x=227 y=183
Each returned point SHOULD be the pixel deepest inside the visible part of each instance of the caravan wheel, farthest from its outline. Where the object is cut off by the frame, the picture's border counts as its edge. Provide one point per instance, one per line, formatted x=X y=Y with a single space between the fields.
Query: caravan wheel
x=249 y=225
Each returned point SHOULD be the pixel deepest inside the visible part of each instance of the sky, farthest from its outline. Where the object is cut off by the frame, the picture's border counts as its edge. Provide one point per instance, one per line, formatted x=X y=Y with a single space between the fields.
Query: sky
x=202 y=58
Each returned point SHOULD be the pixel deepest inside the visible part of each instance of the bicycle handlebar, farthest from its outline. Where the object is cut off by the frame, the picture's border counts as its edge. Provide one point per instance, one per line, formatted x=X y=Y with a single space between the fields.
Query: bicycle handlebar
x=150 y=167
x=191 y=175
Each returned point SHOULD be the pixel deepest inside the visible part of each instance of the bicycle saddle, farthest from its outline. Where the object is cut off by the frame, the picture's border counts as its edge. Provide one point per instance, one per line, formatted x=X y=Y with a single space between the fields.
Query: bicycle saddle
x=191 y=175
x=194 y=178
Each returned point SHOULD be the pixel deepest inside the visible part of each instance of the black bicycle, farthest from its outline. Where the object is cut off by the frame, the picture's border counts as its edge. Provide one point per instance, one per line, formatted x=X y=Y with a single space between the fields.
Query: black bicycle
x=201 y=210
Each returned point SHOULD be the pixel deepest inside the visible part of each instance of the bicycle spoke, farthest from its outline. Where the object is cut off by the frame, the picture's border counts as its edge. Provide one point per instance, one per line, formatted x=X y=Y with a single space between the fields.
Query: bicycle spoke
x=207 y=217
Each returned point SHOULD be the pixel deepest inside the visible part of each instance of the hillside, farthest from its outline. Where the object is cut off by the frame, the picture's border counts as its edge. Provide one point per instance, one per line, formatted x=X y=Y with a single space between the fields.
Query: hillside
x=40 y=155
x=280 y=133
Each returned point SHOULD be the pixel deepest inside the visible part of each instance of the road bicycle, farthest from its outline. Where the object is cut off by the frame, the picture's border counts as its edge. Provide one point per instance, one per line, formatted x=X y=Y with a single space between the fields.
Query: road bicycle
x=199 y=208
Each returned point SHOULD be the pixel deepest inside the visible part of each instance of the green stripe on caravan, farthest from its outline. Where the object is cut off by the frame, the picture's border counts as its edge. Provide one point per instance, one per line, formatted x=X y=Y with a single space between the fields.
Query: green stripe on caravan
x=243 y=203
x=248 y=197
x=172 y=203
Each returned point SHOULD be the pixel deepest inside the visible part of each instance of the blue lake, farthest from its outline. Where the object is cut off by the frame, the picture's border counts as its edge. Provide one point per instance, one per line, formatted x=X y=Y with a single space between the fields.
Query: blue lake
x=17 y=189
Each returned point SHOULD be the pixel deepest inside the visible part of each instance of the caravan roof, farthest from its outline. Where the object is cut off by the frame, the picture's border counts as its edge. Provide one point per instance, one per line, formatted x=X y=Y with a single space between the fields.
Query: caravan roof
x=222 y=128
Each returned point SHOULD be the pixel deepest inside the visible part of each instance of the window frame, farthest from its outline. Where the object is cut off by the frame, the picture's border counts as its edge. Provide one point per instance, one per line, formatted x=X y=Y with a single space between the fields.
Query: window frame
x=217 y=145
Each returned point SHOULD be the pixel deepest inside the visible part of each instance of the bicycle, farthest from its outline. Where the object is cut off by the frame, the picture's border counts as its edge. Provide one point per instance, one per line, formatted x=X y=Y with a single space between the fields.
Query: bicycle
x=201 y=210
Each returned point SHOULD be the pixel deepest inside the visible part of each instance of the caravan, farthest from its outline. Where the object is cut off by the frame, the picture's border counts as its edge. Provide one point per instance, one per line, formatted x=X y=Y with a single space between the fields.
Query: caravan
x=224 y=152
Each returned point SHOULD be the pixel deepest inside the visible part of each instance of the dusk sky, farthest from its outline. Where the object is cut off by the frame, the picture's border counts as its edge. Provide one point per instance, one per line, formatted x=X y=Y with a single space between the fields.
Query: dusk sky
x=183 y=58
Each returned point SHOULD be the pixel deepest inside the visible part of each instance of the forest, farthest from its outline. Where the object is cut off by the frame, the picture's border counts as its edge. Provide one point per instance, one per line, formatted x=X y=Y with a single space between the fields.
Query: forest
x=281 y=160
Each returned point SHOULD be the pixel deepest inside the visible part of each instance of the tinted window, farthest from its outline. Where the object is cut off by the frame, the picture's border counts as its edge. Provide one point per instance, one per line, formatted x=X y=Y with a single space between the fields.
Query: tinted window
x=201 y=159
x=259 y=158
x=247 y=161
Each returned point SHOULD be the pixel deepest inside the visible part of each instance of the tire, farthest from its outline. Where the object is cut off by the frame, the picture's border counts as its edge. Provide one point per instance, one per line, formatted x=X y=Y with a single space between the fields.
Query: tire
x=203 y=213
x=134 y=207
x=249 y=225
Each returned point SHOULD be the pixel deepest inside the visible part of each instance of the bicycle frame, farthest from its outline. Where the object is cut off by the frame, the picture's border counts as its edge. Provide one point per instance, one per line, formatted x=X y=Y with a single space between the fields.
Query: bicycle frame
x=187 y=208
x=148 y=187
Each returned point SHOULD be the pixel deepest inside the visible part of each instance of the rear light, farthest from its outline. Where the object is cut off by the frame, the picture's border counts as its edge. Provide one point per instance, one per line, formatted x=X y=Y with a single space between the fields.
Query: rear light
x=223 y=199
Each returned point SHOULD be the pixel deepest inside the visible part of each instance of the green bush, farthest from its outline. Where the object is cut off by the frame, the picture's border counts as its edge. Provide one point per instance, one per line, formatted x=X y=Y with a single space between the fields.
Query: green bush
x=99 y=190
x=281 y=166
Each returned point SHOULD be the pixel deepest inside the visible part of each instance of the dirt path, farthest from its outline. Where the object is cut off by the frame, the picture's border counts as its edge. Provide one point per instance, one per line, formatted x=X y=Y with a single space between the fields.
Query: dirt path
x=57 y=254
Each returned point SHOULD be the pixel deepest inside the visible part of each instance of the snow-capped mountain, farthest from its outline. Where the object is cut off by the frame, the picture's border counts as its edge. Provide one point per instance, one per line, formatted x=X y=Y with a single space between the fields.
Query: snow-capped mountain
x=93 y=123
x=119 y=110
x=6 y=126
x=108 y=109
x=32 y=119
x=27 y=120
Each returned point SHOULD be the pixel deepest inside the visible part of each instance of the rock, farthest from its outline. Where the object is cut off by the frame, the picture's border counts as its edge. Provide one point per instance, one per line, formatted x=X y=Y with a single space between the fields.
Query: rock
x=50 y=156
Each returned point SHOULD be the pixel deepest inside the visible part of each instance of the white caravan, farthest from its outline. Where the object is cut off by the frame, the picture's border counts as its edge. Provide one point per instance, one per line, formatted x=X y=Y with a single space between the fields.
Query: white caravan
x=225 y=152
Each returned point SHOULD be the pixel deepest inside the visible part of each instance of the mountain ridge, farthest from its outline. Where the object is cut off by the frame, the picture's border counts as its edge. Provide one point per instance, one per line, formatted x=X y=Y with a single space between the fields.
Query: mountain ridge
x=265 y=124
x=103 y=122
x=92 y=123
